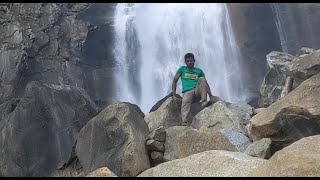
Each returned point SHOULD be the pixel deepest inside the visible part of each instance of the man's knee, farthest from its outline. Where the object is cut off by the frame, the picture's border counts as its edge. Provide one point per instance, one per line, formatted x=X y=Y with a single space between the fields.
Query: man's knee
x=202 y=80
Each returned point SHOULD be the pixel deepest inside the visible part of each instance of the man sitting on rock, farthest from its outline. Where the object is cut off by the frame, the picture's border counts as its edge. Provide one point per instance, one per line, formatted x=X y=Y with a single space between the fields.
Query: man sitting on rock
x=194 y=86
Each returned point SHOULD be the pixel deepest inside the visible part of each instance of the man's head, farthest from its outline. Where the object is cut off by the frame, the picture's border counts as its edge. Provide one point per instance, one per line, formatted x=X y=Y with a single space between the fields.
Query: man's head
x=189 y=60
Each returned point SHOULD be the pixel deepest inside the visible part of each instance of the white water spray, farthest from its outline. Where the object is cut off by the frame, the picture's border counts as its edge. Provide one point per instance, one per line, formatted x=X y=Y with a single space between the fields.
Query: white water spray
x=152 y=39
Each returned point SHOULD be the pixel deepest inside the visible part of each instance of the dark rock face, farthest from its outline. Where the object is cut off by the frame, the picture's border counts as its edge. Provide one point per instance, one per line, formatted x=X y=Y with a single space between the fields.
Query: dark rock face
x=297 y=25
x=39 y=133
x=61 y=44
x=256 y=35
x=98 y=62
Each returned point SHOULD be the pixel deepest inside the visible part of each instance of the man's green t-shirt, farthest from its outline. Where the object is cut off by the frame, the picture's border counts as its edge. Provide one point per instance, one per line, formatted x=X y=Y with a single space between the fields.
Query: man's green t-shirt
x=189 y=78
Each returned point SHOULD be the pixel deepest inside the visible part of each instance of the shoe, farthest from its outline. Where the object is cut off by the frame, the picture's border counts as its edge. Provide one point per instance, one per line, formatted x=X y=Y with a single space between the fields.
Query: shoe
x=204 y=104
x=184 y=124
x=214 y=99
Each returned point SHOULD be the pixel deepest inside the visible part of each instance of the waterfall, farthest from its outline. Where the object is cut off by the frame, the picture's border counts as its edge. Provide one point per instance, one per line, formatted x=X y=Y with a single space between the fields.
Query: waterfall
x=152 y=39
x=278 y=20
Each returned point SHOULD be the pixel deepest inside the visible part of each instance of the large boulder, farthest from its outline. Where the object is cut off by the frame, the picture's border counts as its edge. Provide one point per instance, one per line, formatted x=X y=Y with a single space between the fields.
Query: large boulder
x=304 y=67
x=167 y=115
x=291 y=118
x=40 y=130
x=299 y=159
x=223 y=115
x=275 y=79
x=115 y=138
x=184 y=141
x=214 y=163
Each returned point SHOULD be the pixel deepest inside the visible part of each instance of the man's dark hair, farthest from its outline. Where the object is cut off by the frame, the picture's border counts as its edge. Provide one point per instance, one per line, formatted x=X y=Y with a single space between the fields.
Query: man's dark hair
x=188 y=55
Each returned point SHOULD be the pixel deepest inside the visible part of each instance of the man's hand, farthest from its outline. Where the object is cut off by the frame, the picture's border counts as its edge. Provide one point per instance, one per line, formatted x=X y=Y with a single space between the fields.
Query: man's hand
x=174 y=85
x=174 y=97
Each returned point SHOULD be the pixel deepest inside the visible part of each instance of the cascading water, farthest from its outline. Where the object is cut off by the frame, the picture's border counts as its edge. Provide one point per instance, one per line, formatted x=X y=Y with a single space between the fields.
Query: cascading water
x=152 y=39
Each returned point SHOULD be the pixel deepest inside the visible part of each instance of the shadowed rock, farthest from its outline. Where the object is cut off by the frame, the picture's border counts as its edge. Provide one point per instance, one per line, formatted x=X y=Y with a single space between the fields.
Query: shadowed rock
x=39 y=134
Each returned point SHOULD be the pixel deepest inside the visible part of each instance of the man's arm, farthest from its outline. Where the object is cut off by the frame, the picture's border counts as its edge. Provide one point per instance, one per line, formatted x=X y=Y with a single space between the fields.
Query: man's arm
x=174 y=84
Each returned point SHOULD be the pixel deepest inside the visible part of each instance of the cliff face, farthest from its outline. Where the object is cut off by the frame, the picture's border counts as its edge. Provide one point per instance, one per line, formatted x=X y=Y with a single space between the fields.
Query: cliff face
x=256 y=35
x=264 y=27
x=59 y=44
x=297 y=25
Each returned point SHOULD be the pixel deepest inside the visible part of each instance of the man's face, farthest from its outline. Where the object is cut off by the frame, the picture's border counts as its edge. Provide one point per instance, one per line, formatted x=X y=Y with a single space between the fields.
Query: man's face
x=190 y=62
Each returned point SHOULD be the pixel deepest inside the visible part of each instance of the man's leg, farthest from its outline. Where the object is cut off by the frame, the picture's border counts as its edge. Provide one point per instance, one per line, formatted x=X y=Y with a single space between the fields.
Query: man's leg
x=186 y=105
x=202 y=90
